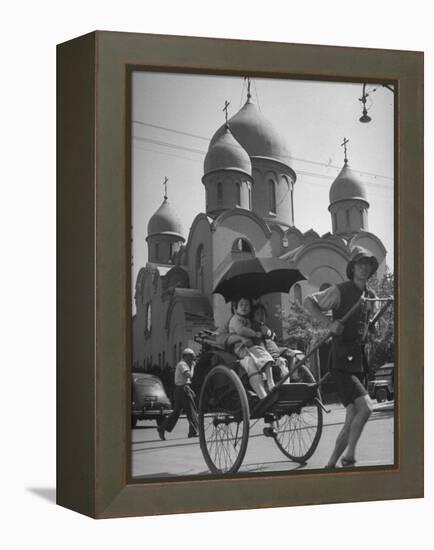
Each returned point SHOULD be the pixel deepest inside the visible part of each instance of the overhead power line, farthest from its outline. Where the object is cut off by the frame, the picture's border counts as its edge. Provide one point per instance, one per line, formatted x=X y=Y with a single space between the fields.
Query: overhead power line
x=317 y=163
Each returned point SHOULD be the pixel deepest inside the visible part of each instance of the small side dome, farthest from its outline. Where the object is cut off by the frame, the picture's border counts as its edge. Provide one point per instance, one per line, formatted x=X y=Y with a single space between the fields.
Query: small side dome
x=165 y=221
x=225 y=153
x=347 y=186
x=256 y=134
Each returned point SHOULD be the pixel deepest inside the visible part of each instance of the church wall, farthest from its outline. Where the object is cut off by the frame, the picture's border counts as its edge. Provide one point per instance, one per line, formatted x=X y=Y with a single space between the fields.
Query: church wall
x=176 y=337
x=294 y=239
x=264 y=170
x=229 y=191
x=320 y=262
x=200 y=235
x=226 y=233
x=138 y=336
x=342 y=225
x=167 y=245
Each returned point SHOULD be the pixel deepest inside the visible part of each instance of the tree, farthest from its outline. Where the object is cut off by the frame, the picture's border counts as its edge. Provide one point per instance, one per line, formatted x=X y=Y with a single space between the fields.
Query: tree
x=303 y=332
x=381 y=343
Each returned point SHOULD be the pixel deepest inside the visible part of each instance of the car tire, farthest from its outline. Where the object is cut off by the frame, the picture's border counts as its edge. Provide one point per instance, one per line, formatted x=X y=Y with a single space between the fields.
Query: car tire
x=133 y=421
x=381 y=395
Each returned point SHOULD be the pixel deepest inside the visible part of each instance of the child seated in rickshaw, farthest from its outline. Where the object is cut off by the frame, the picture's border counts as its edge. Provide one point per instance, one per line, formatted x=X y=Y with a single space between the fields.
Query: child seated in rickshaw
x=282 y=356
x=255 y=359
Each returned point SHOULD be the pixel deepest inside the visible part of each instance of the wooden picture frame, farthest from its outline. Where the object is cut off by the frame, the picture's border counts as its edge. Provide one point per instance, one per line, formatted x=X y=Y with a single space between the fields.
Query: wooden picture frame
x=94 y=273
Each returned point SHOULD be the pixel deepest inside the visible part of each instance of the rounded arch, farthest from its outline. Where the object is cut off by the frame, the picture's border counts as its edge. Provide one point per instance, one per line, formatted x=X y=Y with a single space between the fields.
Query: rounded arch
x=271 y=192
x=199 y=267
x=242 y=245
x=298 y=297
x=241 y=212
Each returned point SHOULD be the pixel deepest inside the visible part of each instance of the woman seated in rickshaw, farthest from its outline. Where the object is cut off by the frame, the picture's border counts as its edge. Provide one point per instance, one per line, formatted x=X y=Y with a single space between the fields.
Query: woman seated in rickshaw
x=254 y=358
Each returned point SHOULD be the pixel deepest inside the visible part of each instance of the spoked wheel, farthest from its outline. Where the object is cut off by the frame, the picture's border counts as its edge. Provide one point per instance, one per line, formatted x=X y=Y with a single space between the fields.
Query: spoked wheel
x=298 y=433
x=223 y=421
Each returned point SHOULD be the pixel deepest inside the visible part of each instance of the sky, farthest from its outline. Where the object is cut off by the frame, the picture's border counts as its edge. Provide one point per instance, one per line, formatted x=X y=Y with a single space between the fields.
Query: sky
x=175 y=115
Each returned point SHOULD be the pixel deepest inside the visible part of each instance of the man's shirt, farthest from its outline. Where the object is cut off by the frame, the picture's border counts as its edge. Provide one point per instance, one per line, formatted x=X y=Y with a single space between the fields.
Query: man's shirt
x=182 y=374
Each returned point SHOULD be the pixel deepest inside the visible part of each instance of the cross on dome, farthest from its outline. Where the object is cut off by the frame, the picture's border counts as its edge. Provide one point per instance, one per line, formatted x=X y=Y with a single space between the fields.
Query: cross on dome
x=165 y=187
x=344 y=145
x=225 y=109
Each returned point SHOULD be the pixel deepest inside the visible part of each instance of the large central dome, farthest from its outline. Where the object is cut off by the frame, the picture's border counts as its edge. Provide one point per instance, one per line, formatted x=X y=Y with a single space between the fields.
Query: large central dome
x=255 y=134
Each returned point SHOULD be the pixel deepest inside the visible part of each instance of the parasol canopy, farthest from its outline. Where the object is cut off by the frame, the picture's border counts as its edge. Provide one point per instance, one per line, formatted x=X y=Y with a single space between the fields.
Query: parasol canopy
x=255 y=277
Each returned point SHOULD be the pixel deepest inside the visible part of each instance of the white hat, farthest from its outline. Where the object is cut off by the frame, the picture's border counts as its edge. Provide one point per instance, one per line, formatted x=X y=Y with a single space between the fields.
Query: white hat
x=188 y=351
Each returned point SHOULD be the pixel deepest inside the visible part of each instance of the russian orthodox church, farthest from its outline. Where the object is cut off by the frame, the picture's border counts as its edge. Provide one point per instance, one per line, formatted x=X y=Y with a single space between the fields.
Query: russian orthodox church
x=249 y=211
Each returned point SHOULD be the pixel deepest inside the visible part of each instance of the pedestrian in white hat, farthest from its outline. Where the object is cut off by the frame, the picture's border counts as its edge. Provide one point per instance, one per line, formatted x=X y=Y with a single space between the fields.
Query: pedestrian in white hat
x=183 y=398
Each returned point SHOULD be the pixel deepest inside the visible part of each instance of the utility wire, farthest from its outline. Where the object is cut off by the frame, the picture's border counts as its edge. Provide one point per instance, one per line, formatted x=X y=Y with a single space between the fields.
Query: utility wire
x=318 y=163
x=304 y=172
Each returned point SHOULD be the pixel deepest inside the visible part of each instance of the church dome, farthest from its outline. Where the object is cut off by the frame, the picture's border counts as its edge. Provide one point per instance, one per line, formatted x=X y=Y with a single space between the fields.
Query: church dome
x=165 y=221
x=225 y=153
x=347 y=186
x=255 y=134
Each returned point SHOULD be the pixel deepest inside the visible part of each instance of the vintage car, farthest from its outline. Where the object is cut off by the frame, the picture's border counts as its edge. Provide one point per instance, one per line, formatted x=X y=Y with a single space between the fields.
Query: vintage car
x=148 y=398
x=380 y=387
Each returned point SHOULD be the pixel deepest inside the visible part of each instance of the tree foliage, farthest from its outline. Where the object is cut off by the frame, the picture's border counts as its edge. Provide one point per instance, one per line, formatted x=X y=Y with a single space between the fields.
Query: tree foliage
x=381 y=343
x=303 y=332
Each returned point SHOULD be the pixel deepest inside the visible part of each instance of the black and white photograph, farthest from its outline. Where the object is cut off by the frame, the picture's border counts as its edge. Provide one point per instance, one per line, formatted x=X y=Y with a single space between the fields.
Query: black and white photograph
x=262 y=275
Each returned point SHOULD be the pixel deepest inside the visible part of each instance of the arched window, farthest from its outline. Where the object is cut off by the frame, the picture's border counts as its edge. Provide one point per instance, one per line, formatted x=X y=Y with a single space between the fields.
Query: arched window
x=219 y=192
x=297 y=293
x=335 y=218
x=361 y=217
x=242 y=245
x=200 y=262
x=149 y=317
x=238 y=186
x=271 y=196
x=157 y=251
x=249 y=193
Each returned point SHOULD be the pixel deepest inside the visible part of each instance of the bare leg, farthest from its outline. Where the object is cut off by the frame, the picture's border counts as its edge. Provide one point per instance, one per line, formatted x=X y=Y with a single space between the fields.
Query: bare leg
x=268 y=369
x=343 y=437
x=257 y=384
x=363 y=410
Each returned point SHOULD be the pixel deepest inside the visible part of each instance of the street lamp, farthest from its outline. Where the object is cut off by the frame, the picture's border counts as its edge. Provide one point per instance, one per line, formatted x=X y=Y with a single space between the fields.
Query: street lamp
x=365 y=117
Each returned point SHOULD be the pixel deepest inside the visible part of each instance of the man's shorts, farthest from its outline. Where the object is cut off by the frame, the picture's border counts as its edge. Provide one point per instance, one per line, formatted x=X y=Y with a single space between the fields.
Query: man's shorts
x=348 y=386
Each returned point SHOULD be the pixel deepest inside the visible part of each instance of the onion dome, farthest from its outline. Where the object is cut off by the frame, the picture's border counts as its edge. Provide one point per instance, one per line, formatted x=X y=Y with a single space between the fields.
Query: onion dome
x=165 y=221
x=255 y=134
x=347 y=186
x=225 y=153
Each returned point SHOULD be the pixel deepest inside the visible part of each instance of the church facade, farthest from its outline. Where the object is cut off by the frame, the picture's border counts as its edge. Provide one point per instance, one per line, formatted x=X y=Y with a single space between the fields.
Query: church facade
x=249 y=211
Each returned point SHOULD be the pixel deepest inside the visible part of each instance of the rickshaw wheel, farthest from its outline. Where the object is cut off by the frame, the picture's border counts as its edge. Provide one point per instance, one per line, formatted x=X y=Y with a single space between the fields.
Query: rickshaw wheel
x=223 y=420
x=298 y=433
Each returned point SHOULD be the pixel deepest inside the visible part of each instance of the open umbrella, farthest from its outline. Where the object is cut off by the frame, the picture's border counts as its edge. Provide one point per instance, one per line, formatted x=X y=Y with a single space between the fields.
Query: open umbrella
x=255 y=277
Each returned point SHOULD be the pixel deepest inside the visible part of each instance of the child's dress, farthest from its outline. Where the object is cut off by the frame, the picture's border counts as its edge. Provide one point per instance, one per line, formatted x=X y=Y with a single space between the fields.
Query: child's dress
x=254 y=357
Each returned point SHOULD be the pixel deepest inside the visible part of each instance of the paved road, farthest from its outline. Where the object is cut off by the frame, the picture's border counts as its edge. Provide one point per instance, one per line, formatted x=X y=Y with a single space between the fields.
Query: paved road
x=180 y=456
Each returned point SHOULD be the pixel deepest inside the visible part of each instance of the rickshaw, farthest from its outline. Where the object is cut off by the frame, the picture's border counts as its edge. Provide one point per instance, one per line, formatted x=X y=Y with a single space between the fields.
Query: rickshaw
x=227 y=406
x=226 y=403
